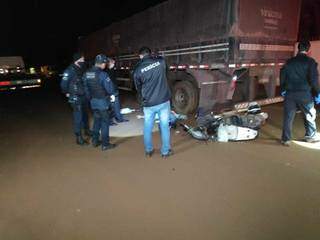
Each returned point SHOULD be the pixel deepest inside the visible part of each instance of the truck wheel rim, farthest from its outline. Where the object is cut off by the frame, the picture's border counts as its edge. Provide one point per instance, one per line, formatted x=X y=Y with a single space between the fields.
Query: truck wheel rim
x=181 y=98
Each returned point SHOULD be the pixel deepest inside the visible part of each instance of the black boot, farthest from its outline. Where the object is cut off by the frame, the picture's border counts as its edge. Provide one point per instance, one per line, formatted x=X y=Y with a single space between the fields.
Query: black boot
x=80 y=141
x=149 y=154
x=88 y=132
x=170 y=153
x=108 y=147
x=96 y=143
x=112 y=123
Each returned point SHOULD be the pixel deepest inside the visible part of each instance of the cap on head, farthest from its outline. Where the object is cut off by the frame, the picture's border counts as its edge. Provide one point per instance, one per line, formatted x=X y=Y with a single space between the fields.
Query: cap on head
x=304 y=46
x=77 y=56
x=101 y=58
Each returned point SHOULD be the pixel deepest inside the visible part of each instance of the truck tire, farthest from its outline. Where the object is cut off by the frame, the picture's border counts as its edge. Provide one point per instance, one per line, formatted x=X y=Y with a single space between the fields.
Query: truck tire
x=185 y=97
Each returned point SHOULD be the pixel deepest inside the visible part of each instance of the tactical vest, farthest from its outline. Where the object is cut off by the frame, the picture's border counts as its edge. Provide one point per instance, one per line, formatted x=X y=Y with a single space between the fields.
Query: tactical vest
x=95 y=88
x=76 y=84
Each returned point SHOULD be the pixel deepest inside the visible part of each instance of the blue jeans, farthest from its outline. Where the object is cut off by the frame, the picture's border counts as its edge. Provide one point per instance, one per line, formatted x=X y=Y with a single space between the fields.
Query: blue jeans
x=304 y=102
x=101 y=122
x=163 y=111
x=172 y=120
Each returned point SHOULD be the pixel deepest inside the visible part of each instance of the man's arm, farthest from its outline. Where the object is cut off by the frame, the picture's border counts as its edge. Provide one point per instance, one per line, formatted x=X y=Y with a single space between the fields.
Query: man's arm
x=137 y=81
x=86 y=88
x=314 y=77
x=107 y=83
x=138 y=85
x=283 y=79
x=64 y=84
x=111 y=74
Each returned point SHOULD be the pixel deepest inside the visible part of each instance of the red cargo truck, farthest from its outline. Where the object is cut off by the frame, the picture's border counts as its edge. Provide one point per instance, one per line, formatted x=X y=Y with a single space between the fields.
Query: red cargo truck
x=219 y=53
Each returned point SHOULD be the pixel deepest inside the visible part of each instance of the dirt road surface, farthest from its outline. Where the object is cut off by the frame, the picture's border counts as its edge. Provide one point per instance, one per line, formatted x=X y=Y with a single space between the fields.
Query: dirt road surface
x=52 y=189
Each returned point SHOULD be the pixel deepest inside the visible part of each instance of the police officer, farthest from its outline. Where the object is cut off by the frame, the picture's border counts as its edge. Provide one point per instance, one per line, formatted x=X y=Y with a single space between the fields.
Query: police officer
x=299 y=81
x=151 y=83
x=99 y=90
x=116 y=106
x=72 y=86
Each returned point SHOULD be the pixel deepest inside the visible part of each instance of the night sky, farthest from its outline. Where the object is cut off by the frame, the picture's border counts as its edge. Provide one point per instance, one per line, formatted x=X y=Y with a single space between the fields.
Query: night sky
x=310 y=20
x=46 y=32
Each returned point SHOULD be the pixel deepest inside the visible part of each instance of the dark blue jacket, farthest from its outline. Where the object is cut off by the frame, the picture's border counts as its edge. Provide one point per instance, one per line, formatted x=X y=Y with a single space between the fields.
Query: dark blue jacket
x=300 y=74
x=151 y=81
x=99 y=90
x=72 y=81
x=112 y=75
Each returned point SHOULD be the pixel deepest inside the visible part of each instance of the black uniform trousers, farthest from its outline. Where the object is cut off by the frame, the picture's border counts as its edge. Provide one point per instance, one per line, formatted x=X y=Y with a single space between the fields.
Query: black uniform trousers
x=299 y=101
x=80 y=108
x=101 y=122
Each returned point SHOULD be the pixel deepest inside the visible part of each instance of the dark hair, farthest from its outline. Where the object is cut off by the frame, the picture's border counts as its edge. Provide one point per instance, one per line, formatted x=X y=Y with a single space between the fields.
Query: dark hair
x=145 y=51
x=76 y=56
x=304 y=46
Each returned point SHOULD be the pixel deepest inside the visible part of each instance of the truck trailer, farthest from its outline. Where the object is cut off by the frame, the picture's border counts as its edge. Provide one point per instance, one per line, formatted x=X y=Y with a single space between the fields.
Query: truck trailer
x=219 y=53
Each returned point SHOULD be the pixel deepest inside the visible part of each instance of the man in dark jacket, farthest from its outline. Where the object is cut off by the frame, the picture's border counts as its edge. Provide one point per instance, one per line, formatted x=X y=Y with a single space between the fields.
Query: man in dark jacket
x=116 y=106
x=298 y=83
x=151 y=83
x=99 y=89
x=72 y=86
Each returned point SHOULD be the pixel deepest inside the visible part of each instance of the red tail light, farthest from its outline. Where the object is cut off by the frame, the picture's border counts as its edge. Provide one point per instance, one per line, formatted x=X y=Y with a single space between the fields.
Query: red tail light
x=5 y=83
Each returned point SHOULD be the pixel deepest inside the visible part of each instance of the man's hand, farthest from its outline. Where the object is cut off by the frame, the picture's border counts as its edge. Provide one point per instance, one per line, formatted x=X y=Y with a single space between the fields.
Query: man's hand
x=317 y=99
x=284 y=93
x=112 y=98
